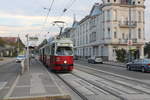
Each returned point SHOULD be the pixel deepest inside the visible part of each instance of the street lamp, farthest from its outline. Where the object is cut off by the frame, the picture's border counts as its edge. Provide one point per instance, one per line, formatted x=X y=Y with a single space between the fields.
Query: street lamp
x=129 y=39
x=27 y=53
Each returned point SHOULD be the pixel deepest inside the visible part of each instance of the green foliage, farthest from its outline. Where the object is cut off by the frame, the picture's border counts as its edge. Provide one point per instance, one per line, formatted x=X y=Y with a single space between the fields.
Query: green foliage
x=147 y=49
x=2 y=43
x=121 y=55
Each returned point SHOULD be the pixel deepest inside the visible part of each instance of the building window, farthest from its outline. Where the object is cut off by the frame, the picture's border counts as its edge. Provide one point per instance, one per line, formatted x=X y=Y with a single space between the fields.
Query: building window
x=108 y=0
x=93 y=37
x=115 y=14
x=108 y=32
x=108 y=15
x=139 y=16
x=115 y=35
x=114 y=0
x=138 y=2
x=123 y=36
x=133 y=2
x=139 y=33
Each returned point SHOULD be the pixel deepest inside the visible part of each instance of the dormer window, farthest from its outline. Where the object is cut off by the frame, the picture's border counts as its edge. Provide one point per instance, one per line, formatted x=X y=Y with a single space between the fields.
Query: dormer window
x=108 y=0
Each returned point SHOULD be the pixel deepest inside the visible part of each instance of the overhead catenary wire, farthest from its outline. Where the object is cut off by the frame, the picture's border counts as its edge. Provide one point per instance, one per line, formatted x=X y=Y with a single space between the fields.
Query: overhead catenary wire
x=46 y=18
x=49 y=11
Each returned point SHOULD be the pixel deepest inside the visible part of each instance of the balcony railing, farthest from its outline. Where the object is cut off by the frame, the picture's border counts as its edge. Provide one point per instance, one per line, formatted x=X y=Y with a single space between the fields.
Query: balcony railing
x=134 y=40
x=126 y=24
x=123 y=41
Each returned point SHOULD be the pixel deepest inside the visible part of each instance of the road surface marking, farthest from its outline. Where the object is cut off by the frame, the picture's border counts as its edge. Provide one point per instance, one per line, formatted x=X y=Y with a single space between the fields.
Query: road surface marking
x=122 y=76
x=36 y=84
x=12 y=87
x=2 y=85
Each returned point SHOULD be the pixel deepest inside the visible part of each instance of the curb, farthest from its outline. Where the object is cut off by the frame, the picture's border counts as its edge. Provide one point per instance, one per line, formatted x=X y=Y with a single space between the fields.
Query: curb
x=7 y=63
x=115 y=65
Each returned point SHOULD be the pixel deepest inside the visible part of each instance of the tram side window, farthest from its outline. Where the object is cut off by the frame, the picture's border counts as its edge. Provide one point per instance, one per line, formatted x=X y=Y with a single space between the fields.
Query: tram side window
x=49 y=49
x=53 y=50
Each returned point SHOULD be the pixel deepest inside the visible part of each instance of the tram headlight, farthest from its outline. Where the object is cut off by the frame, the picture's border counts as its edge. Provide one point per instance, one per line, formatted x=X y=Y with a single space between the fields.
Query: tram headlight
x=65 y=62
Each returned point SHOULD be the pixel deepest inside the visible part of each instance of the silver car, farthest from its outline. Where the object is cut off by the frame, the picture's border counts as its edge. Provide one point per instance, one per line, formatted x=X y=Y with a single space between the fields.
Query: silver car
x=94 y=60
x=20 y=58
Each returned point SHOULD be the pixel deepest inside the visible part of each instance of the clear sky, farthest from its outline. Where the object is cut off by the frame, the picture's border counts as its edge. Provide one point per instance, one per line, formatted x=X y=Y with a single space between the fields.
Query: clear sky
x=27 y=16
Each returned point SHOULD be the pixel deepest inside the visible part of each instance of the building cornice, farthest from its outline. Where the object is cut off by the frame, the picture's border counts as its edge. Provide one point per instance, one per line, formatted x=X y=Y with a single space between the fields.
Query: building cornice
x=122 y=5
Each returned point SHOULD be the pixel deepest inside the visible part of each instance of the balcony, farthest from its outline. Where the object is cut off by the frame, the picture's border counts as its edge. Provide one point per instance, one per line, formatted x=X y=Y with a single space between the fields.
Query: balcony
x=134 y=40
x=126 y=24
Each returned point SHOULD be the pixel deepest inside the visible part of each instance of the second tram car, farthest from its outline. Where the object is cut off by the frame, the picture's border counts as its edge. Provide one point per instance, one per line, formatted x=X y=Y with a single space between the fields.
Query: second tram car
x=58 y=55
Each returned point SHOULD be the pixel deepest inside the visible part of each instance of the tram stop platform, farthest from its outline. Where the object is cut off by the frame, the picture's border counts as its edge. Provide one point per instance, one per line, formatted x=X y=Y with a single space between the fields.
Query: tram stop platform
x=37 y=84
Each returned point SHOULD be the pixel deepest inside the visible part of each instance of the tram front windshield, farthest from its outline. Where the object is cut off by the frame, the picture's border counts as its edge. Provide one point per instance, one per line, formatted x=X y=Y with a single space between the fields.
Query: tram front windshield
x=64 y=51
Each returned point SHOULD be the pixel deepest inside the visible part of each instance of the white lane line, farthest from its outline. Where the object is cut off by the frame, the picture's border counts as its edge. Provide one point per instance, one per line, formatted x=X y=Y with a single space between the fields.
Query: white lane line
x=83 y=66
x=36 y=84
x=12 y=88
x=2 y=85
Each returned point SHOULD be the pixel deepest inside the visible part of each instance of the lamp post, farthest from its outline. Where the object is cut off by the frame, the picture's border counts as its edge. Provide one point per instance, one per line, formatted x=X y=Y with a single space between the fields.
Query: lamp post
x=27 y=53
x=18 y=44
x=129 y=38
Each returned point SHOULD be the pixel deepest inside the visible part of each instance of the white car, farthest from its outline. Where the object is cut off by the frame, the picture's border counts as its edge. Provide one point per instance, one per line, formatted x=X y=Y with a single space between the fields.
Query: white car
x=94 y=60
x=20 y=58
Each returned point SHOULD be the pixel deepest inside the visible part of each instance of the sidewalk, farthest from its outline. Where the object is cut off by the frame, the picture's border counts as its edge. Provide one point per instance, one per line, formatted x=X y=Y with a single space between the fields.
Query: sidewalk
x=37 y=84
x=115 y=63
x=6 y=60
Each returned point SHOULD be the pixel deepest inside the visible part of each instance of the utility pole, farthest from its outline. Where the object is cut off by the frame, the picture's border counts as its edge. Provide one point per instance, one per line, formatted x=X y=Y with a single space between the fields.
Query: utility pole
x=27 y=53
x=18 y=44
x=129 y=39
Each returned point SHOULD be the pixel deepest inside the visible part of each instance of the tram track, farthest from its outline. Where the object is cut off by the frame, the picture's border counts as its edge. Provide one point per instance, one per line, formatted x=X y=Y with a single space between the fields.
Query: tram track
x=120 y=88
x=86 y=82
x=71 y=87
x=140 y=87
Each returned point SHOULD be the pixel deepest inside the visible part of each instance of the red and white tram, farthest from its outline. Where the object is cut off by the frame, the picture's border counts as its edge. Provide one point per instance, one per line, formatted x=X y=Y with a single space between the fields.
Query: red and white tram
x=58 y=55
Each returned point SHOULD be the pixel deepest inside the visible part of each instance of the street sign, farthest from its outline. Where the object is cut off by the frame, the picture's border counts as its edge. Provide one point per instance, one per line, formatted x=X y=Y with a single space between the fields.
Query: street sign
x=130 y=42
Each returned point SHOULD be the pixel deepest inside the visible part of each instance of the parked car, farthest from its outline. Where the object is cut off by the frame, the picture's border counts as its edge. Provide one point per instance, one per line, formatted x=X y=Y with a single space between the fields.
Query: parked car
x=20 y=58
x=94 y=60
x=139 y=64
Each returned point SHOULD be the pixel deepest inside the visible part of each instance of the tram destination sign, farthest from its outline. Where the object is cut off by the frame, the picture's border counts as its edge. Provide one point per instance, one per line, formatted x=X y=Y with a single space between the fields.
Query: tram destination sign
x=64 y=44
x=33 y=38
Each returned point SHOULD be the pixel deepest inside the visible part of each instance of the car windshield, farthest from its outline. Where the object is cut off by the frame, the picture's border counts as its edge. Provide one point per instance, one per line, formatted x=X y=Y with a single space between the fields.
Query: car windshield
x=64 y=51
x=20 y=56
x=146 y=60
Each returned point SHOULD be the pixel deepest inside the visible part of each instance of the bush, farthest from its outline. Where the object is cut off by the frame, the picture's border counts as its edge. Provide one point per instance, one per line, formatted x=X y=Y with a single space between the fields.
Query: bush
x=121 y=55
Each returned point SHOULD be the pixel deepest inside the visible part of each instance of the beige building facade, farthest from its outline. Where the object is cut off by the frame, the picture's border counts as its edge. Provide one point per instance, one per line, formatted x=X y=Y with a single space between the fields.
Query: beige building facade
x=108 y=27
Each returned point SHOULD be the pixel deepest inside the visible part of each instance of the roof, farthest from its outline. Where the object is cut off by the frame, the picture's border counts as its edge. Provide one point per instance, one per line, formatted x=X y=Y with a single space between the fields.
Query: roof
x=96 y=10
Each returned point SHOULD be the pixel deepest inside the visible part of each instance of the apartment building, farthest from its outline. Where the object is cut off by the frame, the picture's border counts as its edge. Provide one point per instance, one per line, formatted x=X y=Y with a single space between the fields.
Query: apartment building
x=108 y=27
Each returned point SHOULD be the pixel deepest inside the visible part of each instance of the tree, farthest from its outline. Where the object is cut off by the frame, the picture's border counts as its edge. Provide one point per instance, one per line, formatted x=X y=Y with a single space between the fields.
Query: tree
x=121 y=55
x=147 y=49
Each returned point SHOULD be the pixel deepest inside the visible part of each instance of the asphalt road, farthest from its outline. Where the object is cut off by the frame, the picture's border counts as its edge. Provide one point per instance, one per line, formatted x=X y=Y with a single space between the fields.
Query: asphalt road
x=118 y=70
x=8 y=74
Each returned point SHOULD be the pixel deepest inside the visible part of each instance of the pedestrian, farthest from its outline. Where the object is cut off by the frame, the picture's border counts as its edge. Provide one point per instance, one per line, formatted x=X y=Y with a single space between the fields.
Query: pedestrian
x=22 y=66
